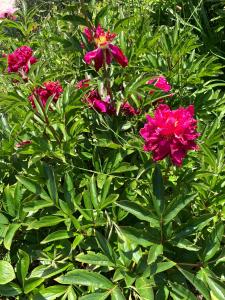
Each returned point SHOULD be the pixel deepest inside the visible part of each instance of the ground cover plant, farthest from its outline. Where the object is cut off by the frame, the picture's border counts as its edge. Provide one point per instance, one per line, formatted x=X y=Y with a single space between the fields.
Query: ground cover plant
x=112 y=167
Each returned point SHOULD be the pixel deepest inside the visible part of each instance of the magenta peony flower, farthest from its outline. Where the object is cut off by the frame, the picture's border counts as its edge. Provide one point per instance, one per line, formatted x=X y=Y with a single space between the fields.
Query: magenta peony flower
x=49 y=89
x=161 y=83
x=7 y=9
x=170 y=133
x=21 y=60
x=95 y=102
x=127 y=109
x=82 y=84
x=105 y=50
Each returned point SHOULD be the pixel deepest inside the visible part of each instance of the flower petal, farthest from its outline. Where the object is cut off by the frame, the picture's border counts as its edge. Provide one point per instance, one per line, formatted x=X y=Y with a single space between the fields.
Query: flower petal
x=118 y=55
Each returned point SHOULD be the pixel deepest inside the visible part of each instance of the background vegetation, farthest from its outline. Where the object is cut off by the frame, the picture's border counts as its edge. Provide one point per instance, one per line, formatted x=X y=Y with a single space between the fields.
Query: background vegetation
x=85 y=213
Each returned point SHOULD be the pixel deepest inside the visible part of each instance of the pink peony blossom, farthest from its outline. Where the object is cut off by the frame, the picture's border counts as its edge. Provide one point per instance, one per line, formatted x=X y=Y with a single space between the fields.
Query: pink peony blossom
x=170 y=133
x=49 y=89
x=161 y=83
x=105 y=51
x=127 y=109
x=7 y=9
x=94 y=101
x=82 y=84
x=21 y=60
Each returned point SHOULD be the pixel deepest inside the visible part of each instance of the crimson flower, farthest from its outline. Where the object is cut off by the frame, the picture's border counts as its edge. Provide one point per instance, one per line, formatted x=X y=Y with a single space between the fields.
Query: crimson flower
x=82 y=84
x=105 y=51
x=127 y=109
x=21 y=60
x=49 y=89
x=95 y=101
x=161 y=83
x=170 y=133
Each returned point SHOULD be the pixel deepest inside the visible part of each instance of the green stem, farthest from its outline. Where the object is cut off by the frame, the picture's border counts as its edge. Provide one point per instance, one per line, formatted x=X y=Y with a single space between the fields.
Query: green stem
x=46 y=120
x=107 y=77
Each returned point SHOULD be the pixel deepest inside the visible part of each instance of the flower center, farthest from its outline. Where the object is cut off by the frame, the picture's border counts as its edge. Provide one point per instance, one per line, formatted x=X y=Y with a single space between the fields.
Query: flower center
x=101 y=41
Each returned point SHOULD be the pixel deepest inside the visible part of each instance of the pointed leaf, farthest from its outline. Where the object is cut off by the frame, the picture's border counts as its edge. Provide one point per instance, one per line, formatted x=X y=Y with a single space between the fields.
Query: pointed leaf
x=140 y=212
x=175 y=207
x=84 y=277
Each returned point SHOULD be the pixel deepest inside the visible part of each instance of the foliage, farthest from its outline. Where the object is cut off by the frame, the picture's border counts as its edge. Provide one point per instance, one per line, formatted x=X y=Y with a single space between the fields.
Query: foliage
x=85 y=213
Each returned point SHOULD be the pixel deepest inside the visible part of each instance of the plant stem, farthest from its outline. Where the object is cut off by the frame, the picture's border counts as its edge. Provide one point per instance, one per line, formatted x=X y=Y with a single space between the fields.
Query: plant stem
x=107 y=77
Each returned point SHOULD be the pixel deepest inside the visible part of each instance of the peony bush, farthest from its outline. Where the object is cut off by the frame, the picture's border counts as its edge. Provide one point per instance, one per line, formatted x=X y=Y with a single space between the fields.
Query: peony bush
x=112 y=160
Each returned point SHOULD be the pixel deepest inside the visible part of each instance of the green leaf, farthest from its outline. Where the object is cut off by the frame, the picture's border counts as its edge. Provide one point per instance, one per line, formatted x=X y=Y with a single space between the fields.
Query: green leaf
x=10 y=290
x=162 y=293
x=51 y=292
x=10 y=234
x=95 y=296
x=100 y=15
x=51 y=183
x=175 y=207
x=34 y=187
x=140 y=212
x=217 y=287
x=212 y=243
x=49 y=271
x=9 y=201
x=105 y=247
x=185 y=244
x=144 y=288
x=94 y=259
x=158 y=190
x=161 y=267
x=34 y=205
x=45 y=222
x=197 y=283
x=140 y=237
x=84 y=277
x=22 y=266
x=57 y=235
x=117 y=294
x=194 y=225
x=31 y=283
x=6 y=271
x=124 y=167
x=154 y=252
x=76 y=20
x=180 y=292
x=93 y=192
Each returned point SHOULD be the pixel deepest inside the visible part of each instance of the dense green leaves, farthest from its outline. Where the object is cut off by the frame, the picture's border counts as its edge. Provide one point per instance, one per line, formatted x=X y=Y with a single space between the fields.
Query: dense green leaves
x=85 y=212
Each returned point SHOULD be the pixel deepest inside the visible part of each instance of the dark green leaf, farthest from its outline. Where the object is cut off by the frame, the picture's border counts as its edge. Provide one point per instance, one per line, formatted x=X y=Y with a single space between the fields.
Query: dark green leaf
x=22 y=266
x=154 y=252
x=57 y=235
x=140 y=212
x=87 y=278
x=10 y=234
x=175 y=207
x=158 y=190
x=6 y=271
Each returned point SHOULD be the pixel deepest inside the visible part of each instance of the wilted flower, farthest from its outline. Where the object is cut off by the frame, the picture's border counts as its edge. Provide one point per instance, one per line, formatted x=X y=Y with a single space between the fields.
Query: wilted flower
x=170 y=133
x=95 y=101
x=127 y=109
x=49 y=89
x=105 y=51
x=161 y=83
x=7 y=9
x=21 y=60
x=23 y=143
x=84 y=83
